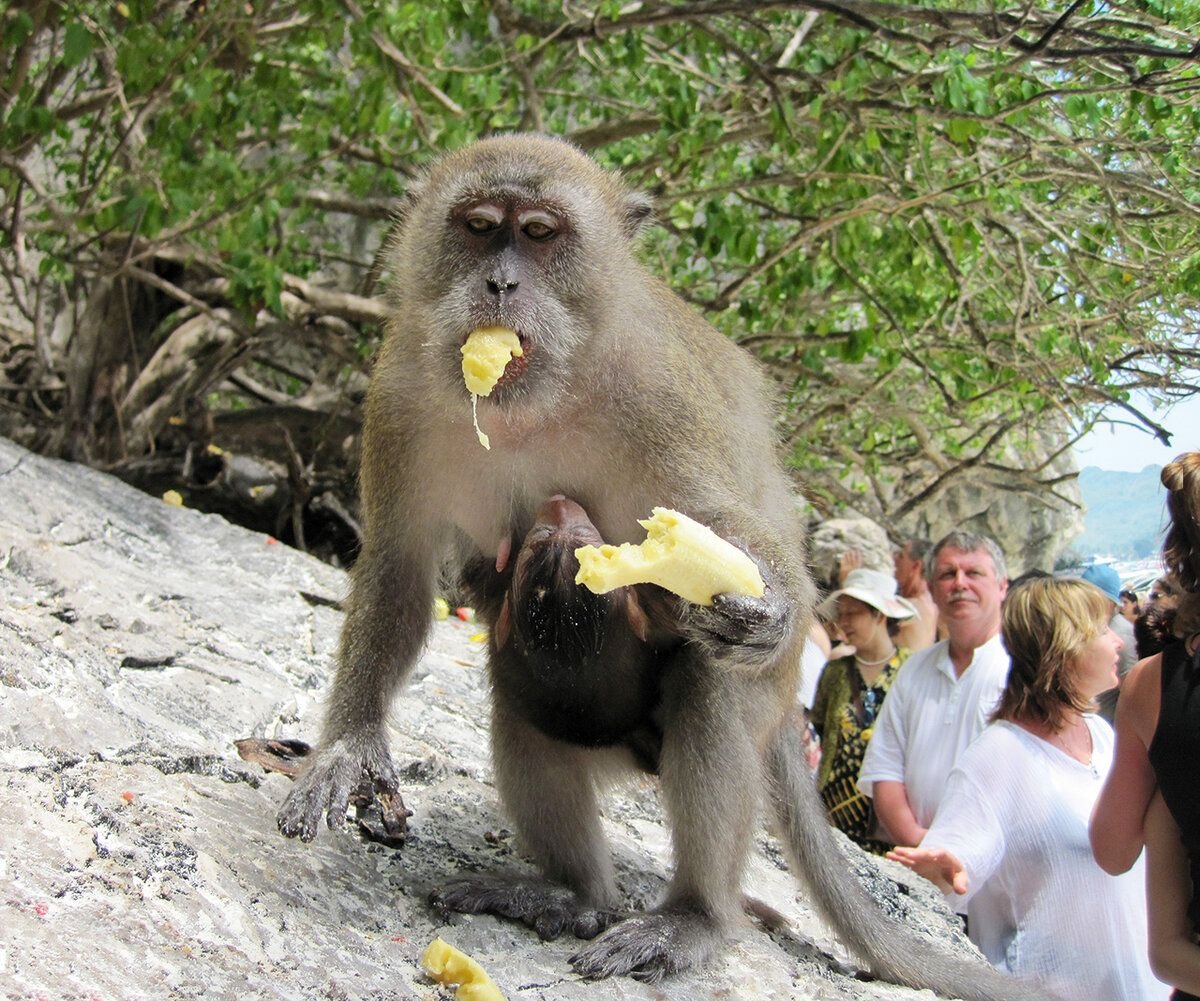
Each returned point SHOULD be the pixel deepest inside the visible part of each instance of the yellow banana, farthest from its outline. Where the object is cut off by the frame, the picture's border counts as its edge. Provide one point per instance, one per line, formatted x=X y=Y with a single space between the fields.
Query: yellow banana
x=485 y=354
x=447 y=965
x=679 y=554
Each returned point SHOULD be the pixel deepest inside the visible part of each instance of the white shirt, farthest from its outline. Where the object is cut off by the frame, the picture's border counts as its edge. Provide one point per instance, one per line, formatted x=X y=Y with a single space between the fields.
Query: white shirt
x=929 y=718
x=812 y=663
x=1016 y=815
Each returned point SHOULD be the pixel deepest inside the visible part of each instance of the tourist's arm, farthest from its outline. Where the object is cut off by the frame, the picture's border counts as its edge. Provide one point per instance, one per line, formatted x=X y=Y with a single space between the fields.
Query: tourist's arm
x=1174 y=954
x=821 y=700
x=965 y=844
x=895 y=813
x=882 y=776
x=819 y=638
x=1116 y=825
x=939 y=866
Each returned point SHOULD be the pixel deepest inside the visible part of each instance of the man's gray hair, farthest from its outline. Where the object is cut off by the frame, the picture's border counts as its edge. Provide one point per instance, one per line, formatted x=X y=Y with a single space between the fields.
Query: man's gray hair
x=918 y=549
x=967 y=542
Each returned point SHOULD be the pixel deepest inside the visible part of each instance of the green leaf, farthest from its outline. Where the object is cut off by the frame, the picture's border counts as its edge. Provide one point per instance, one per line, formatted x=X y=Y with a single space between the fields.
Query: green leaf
x=962 y=130
x=78 y=44
x=17 y=29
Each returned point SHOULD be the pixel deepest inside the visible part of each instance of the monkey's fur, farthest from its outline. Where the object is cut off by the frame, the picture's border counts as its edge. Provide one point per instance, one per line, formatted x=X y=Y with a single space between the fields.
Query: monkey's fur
x=623 y=400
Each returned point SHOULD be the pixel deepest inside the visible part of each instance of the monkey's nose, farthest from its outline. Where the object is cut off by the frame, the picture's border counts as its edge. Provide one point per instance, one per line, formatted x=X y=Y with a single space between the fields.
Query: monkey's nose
x=559 y=510
x=501 y=286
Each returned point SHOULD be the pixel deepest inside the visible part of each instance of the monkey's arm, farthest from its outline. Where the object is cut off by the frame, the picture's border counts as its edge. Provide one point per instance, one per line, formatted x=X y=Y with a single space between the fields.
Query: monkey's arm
x=741 y=629
x=387 y=620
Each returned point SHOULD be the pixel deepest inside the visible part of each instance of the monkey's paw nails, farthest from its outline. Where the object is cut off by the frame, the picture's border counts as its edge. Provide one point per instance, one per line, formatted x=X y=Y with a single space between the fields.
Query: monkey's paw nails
x=326 y=787
x=551 y=911
x=651 y=946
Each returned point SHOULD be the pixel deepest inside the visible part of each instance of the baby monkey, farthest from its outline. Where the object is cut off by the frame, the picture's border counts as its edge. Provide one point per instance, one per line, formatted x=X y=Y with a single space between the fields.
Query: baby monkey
x=580 y=667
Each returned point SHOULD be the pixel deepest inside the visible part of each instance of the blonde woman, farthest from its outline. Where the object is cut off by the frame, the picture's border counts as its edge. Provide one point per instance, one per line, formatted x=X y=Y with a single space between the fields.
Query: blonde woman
x=1010 y=839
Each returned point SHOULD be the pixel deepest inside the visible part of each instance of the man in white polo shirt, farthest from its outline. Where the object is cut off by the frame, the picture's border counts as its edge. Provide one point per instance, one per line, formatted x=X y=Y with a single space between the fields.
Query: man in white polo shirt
x=944 y=694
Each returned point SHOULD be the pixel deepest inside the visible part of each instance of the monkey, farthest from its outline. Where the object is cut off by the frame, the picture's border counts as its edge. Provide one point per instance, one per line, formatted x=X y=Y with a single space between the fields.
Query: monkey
x=623 y=398
x=580 y=667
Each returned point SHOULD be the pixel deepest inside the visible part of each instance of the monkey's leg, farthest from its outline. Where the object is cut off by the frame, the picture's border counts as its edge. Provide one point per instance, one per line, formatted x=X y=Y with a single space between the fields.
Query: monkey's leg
x=388 y=616
x=548 y=789
x=711 y=775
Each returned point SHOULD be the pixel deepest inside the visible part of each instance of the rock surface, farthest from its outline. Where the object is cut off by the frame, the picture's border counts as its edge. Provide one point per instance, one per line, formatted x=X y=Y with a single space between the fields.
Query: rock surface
x=138 y=851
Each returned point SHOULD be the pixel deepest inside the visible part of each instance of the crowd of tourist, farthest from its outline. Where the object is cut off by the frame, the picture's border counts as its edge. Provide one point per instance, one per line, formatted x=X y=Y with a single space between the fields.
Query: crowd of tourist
x=1028 y=746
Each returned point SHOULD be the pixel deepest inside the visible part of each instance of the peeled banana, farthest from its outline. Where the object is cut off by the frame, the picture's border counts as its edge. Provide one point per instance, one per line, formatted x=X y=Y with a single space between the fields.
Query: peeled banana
x=447 y=965
x=679 y=554
x=485 y=354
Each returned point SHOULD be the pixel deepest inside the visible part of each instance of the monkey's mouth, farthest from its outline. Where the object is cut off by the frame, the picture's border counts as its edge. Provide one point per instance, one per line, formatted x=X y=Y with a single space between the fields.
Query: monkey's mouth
x=494 y=357
x=517 y=364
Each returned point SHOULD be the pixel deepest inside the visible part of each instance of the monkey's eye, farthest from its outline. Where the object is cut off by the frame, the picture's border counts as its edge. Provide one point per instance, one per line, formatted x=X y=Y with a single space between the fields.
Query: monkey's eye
x=483 y=219
x=539 y=226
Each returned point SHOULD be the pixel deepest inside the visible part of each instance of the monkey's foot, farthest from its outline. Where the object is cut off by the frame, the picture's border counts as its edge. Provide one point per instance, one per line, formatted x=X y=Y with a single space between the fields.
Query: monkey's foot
x=549 y=910
x=650 y=946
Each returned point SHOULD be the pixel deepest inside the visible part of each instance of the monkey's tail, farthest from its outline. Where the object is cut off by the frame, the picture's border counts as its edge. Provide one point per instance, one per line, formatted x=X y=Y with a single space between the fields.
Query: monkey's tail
x=892 y=950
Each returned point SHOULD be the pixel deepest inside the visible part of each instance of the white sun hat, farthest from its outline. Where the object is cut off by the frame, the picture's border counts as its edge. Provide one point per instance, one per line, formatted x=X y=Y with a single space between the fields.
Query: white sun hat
x=874 y=588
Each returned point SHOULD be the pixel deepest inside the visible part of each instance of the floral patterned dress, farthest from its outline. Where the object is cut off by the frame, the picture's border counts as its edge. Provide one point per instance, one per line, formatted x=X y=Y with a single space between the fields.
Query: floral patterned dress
x=843 y=715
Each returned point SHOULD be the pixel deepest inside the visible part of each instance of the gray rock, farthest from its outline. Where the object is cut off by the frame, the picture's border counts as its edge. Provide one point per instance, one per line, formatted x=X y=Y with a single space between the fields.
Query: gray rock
x=829 y=539
x=138 y=852
x=1028 y=500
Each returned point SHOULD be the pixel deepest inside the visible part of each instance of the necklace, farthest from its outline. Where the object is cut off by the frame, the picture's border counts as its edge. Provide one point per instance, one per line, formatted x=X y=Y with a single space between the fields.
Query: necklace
x=1082 y=753
x=874 y=663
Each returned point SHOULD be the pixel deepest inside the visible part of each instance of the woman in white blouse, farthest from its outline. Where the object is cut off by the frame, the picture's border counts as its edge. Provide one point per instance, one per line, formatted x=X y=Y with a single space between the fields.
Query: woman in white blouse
x=1010 y=840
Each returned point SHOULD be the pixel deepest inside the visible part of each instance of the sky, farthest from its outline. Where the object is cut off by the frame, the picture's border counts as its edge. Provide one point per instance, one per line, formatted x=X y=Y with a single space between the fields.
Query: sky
x=1125 y=449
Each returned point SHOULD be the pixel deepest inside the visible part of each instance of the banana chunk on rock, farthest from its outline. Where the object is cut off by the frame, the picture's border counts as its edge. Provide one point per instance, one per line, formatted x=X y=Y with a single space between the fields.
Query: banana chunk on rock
x=679 y=554
x=485 y=354
x=447 y=965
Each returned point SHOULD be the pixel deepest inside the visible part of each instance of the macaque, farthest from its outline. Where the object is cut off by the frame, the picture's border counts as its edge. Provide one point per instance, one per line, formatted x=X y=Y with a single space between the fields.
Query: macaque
x=622 y=399
x=580 y=667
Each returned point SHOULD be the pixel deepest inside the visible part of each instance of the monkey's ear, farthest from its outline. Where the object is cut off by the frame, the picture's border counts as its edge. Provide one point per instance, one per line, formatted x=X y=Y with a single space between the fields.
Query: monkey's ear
x=639 y=622
x=638 y=214
x=503 y=627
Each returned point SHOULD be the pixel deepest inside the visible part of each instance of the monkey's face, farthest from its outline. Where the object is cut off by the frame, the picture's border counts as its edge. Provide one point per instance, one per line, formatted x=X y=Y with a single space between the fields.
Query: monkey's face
x=520 y=232
x=510 y=248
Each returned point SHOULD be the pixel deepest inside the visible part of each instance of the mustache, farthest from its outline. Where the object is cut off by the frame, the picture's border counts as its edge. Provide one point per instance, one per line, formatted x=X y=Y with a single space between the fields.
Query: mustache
x=959 y=593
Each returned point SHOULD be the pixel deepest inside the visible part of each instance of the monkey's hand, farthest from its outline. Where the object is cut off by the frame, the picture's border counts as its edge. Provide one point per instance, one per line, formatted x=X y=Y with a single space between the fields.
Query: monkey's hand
x=737 y=621
x=337 y=772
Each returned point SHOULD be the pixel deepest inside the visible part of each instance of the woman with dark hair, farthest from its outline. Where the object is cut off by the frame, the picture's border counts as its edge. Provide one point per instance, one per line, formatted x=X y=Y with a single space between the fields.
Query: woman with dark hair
x=851 y=693
x=1151 y=795
x=1010 y=838
x=1130 y=607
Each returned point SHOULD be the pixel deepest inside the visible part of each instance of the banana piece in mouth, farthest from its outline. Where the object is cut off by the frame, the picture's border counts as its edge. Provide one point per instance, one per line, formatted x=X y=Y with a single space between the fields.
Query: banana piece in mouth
x=679 y=554
x=485 y=354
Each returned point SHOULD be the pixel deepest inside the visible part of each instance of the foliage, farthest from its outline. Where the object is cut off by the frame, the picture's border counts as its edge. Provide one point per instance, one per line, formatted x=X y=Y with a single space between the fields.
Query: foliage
x=945 y=227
